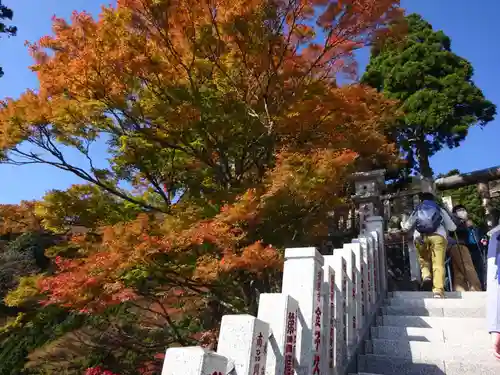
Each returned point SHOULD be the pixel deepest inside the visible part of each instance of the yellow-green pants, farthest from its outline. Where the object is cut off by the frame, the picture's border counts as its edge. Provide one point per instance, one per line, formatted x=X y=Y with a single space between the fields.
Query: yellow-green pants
x=464 y=274
x=431 y=255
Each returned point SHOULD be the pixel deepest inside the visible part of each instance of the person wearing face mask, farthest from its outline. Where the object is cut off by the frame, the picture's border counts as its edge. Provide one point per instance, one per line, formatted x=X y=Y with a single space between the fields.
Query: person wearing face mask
x=463 y=273
x=468 y=235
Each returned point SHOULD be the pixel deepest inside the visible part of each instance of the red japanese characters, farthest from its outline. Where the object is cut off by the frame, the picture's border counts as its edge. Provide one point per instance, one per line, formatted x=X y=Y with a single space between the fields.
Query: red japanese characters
x=332 y=322
x=316 y=367
x=260 y=355
x=290 y=339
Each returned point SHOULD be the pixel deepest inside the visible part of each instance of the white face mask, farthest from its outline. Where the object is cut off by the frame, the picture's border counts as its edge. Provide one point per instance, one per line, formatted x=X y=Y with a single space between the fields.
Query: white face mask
x=462 y=214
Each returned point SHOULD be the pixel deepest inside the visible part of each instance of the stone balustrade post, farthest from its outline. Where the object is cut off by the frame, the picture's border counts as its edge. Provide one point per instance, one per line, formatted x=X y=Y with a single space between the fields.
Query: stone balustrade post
x=376 y=265
x=244 y=339
x=357 y=292
x=329 y=317
x=366 y=277
x=303 y=280
x=337 y=263
x=194 y=360
x=350 y=308
x=280 y=311
x=376 y=224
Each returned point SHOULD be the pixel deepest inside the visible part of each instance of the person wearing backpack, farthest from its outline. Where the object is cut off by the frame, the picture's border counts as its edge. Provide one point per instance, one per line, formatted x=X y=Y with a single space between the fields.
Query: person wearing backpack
x=431 y=223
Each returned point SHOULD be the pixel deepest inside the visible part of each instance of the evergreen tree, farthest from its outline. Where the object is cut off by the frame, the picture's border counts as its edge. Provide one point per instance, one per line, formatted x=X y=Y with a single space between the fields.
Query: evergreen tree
x=438 y=99
x=6 y=14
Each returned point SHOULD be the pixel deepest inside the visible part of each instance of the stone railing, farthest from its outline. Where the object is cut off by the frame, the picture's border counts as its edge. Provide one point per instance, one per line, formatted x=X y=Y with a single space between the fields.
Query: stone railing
x=315 y=326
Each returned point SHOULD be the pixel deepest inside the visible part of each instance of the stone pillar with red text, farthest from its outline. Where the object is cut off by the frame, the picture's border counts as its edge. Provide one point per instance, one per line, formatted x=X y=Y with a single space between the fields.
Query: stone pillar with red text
x=328 y=317
x=303 y=280
x=280 y=311
x=357 y=293
x=376 y=224
x=244 y=339
x=194 y=360
x=337 y=263
x=374 y=254
x=350 y=308
x=336 y=339
x=366 y=277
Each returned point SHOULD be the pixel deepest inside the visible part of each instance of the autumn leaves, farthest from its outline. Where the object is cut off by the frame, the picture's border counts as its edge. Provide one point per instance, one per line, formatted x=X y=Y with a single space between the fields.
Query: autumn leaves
x=228 y=138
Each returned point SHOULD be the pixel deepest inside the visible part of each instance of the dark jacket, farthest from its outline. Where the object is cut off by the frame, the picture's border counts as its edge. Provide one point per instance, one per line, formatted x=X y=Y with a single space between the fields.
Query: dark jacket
x=468 y=236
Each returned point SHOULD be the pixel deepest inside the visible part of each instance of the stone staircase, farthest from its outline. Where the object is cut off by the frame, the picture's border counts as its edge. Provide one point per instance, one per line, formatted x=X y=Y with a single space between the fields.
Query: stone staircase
x=327 y=321
x=417 y=335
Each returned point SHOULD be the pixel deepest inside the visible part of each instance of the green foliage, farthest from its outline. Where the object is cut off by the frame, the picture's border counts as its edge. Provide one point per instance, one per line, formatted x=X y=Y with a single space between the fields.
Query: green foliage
x=26 y=291
x=31 y=332
x=13 y=265
x=6 y=14
x=33 y=243
x=66 y=249
x=437 y=96
x=121 y=339
x=469 y=197
x=12 y=324
x=22 y=257
x=82 y=205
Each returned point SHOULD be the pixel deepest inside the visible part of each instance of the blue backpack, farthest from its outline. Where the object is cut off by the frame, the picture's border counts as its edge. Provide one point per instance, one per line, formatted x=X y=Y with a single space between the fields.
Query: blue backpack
x=429 y=217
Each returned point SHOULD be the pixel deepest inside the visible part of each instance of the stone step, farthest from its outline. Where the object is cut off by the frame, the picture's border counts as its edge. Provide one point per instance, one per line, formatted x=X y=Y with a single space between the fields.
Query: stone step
x=407 y=333
x=458 y=312
x=469 y=324
x=422 y=351
x=386 y=365
x=492 y=367
x=436 y=302
x=447 y=295
x=452 y=335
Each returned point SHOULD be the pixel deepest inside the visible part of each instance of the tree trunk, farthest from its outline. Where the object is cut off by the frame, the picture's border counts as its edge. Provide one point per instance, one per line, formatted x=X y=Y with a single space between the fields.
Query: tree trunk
x=423 y=158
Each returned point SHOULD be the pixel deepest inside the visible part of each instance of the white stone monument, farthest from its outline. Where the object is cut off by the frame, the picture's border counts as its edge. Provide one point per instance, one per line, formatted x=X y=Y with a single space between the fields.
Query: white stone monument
x=303 y=280
x=329 y=317
x=350 y=306
x=364 y=282
x=376 y=224
x=281 y=312
x=337 y=262
x=194 y=360
x=355 y=247
x=244 y=338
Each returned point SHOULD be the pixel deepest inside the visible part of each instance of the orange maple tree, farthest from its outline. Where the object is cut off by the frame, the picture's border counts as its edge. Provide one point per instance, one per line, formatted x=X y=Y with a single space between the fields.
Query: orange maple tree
x=18 y=218
x=195 y=97
x=226 y=118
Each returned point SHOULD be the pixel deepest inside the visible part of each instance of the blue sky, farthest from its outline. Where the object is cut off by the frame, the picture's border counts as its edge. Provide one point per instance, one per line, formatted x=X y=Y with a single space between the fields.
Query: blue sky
x=469 y=27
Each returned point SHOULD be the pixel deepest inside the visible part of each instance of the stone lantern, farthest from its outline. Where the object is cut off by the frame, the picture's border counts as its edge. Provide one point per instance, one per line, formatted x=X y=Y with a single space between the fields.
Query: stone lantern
x=368 y=190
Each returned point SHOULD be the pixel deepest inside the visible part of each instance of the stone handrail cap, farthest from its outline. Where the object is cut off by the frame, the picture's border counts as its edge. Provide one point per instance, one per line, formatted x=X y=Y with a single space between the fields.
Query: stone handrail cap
x=303 y=252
